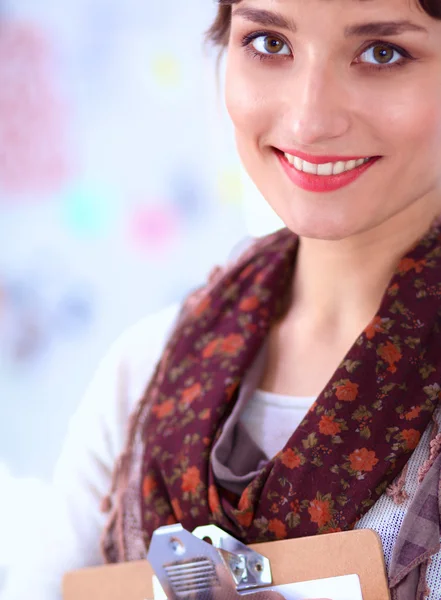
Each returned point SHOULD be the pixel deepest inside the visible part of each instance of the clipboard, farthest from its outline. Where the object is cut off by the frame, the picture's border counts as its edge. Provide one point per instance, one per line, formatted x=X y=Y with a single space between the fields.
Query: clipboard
x=357 y=552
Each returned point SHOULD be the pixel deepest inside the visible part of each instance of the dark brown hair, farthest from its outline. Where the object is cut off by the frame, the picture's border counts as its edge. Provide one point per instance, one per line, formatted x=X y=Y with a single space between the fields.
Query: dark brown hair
x=219 y=32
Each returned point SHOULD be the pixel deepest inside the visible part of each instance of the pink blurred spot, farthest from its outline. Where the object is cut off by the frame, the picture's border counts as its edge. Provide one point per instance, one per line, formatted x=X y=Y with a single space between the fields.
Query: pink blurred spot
x=33 y=150
x=154 y=228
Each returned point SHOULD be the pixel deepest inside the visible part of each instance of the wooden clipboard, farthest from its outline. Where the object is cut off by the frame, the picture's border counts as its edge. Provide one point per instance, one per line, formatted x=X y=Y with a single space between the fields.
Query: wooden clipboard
x=355 y=552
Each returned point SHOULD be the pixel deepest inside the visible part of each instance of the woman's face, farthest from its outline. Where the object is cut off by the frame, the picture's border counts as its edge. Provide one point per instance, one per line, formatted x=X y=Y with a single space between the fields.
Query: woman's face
x=331 y=82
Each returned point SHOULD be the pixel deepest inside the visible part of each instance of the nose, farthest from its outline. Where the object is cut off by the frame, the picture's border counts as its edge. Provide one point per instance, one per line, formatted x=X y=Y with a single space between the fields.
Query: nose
x=317 y=107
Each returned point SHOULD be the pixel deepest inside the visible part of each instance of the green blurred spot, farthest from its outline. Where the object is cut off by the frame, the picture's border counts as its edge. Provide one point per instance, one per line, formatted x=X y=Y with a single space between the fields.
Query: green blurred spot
x=88 y=210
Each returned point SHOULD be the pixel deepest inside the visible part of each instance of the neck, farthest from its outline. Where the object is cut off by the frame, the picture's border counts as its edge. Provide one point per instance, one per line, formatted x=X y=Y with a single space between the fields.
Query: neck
x=340 y=284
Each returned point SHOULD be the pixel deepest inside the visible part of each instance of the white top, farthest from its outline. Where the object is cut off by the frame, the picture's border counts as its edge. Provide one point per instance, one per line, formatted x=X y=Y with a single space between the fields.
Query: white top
x=67 y=535
x=270 y=419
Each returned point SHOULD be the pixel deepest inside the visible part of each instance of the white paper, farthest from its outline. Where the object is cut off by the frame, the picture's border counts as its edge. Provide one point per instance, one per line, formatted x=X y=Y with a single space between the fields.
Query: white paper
x=346 y=587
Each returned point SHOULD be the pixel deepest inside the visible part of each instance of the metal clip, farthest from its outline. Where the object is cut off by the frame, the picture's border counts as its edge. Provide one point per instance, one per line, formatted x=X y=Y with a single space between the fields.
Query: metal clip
x=188 y=567
x=212 y=565
x=248 y=568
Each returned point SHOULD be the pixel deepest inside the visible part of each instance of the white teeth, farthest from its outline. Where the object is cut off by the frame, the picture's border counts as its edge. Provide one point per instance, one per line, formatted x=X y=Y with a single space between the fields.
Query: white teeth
x=298 y=163
x=325 y=169
x=309 y=168
x=338 y=168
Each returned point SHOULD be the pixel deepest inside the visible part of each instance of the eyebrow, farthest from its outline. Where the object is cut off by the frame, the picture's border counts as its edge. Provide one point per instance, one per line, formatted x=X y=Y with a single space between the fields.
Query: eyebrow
x=268 y=18
x=265 y=17
x=383 y=28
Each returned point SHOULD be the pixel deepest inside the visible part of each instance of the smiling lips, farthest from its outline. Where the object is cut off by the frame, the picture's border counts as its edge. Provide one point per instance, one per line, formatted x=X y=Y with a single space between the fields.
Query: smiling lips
x=324 y=173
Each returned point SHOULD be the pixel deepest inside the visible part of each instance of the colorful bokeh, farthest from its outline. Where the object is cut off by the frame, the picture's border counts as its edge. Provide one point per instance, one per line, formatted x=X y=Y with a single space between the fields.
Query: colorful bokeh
x=116 y=196
x=33 y=117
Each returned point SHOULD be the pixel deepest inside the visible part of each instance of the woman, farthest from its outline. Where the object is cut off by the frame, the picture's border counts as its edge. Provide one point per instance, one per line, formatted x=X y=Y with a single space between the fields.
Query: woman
x=318 y=347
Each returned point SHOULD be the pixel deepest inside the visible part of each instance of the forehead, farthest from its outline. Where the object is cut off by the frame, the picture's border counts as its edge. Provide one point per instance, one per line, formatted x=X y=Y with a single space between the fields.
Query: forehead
x=346 y=14
x=305 y=3
x=369 y=6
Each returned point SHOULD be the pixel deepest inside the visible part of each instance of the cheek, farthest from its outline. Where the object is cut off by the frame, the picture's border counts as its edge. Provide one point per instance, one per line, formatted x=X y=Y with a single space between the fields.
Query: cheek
x=246 y=100
x=417 y=139
x=416 y=125
x=408 y=122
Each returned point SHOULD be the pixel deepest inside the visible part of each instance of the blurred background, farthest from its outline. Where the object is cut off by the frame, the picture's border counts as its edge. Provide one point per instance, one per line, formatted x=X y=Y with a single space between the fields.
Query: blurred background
x=119 y=189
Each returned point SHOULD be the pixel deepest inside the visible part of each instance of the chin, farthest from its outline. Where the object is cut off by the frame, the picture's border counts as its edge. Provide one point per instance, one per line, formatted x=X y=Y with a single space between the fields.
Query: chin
x=318 y=228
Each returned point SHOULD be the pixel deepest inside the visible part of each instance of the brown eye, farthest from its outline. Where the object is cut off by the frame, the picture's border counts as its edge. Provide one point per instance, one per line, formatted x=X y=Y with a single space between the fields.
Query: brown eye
x=383 y=54
x=273 y=45
x=270 y=44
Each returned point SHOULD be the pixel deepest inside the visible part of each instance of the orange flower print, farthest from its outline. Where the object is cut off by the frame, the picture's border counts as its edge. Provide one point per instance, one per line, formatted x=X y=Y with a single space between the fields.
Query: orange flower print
x=260 y=277
x=213 y=499
x=274 y=508
x=277 y=527
x=205 y=414
x=313 y=407
x=291 y=459
x=374 y=327
x=246 y=272
x=245 y=519
x=249 y=303
x=149 y=485
x=231 y=389
x=191 y=394
x=245 y=515
x=211 y=348
x=391 y=354
x=245 y=501
x=232 y=344
x=295 y=506
x=363 y=460
x=165 y=409
x=411 y=437
x=328 y=426
x=202 y=306
x=177 y=509
x=407 y=264
x=347 y=391
x=191 y=480
x=251 y=327
x=413 y=413
x=320 y=512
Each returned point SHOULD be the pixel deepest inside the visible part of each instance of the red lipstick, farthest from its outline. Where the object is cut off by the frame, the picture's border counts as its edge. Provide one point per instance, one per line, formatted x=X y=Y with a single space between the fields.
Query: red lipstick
x=322 y=183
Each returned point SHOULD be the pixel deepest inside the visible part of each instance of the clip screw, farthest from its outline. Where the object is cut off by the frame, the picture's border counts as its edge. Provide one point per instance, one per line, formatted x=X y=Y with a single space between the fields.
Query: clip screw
x=177 y=546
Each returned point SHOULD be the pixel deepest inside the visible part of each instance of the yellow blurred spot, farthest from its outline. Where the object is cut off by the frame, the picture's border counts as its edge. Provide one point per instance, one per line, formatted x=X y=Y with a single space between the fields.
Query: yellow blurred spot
x=230 y=186
x=166 y=70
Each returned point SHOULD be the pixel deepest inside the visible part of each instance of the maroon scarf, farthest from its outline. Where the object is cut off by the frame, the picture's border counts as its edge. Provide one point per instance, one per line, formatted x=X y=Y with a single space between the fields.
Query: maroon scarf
x=353 y=443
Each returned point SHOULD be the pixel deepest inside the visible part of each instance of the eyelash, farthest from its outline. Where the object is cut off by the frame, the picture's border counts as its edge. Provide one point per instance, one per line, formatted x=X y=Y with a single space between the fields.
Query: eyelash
x=248 y=39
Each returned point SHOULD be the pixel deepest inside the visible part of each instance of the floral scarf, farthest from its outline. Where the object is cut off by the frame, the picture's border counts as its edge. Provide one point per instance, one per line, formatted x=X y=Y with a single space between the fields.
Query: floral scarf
x=352 y=444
